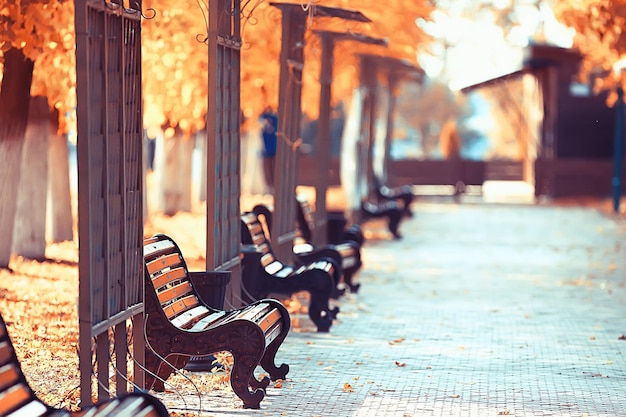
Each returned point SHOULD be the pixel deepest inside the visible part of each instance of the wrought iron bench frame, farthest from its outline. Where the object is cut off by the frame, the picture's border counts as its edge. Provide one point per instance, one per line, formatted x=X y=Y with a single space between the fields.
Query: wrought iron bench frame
x=179 y=325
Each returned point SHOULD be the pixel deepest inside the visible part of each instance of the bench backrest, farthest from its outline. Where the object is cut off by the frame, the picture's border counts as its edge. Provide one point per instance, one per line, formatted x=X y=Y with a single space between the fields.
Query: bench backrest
x=15 y=393
x=305 y=223
x=252 y=233
x=304 y=217
x=168 y=277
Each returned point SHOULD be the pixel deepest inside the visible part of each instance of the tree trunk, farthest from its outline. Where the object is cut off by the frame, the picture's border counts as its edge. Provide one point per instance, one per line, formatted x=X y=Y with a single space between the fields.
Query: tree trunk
x=185 y=164
x=201 y=138
x=14 y=102
x=173 y=166
x=60 y=217
x=29 y=231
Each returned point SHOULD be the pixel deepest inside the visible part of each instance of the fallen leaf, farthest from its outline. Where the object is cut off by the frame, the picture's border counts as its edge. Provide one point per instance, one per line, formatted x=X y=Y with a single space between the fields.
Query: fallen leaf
x=454 y=396
x=347 y=388
x=278 y=384
x=622 y=337
x=400 y=364
x=504 y=413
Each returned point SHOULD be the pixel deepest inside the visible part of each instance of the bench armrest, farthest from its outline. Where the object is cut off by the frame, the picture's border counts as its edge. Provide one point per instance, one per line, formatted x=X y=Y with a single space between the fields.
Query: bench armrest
x=318 y=253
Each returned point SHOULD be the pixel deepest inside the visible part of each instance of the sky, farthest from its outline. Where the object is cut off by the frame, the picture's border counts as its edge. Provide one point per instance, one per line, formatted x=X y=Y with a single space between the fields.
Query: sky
x=477 y=47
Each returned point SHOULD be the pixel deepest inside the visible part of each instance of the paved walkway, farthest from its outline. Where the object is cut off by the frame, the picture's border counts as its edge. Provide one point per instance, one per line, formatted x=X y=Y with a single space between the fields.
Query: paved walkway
x=481 y=310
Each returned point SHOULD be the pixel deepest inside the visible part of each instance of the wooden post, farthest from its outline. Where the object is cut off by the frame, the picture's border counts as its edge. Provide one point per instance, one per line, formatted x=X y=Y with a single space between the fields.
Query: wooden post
x=222 y=145
x=322 y=144
x=289 y=111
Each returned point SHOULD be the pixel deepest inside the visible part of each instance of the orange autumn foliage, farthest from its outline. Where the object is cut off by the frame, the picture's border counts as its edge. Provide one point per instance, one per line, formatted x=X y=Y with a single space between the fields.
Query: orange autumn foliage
x=394 y=21
x=600 y=36
x=44 y=30
x=175 y=61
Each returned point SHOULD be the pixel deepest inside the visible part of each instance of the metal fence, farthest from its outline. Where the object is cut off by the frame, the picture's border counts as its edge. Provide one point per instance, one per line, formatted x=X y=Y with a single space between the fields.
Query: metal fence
x=110 y=205
x=223 y=122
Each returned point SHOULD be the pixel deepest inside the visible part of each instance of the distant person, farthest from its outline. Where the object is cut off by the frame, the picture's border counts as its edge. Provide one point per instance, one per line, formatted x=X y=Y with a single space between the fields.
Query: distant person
x=450 y=142
x=269 y=126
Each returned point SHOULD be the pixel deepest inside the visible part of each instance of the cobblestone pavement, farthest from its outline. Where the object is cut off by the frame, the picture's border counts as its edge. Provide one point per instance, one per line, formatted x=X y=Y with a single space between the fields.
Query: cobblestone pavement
x=480 y=310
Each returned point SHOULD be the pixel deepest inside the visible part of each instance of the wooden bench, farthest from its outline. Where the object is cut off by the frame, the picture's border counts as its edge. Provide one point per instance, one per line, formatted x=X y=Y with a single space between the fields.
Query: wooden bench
x=17 y=399
x=264 y=216
x=403 y=194
x=179 y=325
x=349 y=250
x=264 y=274
x=389 y=209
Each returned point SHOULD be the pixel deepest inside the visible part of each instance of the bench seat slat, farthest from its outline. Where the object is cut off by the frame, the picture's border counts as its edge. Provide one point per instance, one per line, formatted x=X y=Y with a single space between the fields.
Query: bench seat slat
x=270 y=319
x=147 y=412
x=207 y=321
x=180 y=306
x=153 y=246
x=8 y=376
x=273 y=267
x=125 y=407
x=273 y=332
x=5 y=353
x=254 y=312
x=172 y=260
x=176 y=292
x=14 y=397
x=190 y=316
x=284 y=272
x=173 y=275
x=346 y=249
x=35 y=408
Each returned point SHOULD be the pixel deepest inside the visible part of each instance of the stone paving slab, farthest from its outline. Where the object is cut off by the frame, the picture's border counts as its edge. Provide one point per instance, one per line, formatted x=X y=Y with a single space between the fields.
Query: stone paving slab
x=480 y=310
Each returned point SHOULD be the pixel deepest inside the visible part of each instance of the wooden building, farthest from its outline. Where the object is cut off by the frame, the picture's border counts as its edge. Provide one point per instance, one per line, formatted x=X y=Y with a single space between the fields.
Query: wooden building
x=574 y=150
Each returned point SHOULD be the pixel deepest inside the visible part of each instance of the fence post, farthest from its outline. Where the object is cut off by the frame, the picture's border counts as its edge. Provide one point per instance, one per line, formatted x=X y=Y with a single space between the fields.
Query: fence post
x=618 y=149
